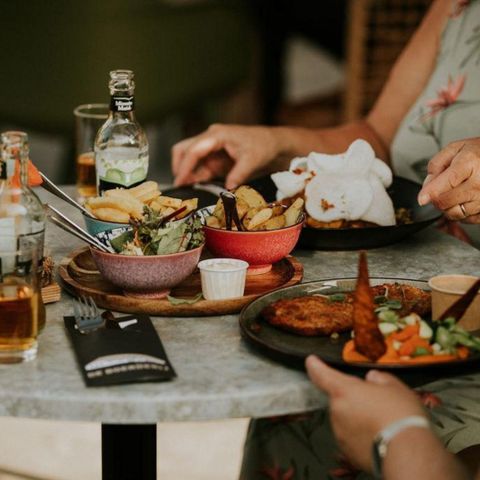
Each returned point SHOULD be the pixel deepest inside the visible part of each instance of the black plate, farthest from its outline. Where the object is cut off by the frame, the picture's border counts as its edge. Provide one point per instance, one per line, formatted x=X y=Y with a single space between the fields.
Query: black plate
x=404 y=195
x=292 y=349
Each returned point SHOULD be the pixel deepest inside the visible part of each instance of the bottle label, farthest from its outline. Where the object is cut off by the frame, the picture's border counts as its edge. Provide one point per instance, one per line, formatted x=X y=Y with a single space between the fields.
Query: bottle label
x=121 y=103
x=121 y=166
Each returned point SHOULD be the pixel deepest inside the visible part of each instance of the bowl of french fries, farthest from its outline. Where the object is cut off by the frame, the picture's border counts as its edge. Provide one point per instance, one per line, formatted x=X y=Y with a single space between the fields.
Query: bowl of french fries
x=118 y=207
x=268 y=231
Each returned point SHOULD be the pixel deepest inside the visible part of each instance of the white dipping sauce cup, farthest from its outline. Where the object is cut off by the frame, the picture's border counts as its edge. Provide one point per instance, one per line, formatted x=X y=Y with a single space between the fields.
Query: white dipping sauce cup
x=222 y=278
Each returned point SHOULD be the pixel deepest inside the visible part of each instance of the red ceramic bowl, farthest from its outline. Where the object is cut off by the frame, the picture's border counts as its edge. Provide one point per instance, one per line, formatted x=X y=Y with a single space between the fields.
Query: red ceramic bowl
x=150 y=276
x=260 y=248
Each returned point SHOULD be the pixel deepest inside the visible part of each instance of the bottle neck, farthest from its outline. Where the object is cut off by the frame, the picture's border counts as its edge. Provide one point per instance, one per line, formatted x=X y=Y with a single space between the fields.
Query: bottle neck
x=122 y=105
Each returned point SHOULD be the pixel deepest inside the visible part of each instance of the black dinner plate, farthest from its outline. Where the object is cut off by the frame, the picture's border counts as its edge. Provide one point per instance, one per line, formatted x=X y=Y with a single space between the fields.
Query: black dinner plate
x=402 y=191
x=291 y=349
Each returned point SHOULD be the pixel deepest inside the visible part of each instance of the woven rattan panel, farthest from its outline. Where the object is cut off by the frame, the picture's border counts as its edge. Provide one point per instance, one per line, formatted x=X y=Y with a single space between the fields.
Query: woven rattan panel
x=378 y=31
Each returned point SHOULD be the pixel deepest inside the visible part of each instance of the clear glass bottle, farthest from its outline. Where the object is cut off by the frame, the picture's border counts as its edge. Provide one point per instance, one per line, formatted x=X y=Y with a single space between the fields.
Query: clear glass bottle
x=121 y=146
x=22 y=216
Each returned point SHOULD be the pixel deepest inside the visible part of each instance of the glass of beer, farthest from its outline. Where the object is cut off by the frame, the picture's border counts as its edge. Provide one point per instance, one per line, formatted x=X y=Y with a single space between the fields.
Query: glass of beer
x=88 y=119
x=19 y=292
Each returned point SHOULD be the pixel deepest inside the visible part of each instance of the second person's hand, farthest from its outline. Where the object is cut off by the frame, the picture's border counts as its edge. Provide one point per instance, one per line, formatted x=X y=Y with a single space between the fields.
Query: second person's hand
x=232 y=150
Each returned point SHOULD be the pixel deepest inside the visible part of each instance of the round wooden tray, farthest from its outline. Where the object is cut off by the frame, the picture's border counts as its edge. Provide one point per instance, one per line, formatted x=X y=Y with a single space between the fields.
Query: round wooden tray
x=80 y=276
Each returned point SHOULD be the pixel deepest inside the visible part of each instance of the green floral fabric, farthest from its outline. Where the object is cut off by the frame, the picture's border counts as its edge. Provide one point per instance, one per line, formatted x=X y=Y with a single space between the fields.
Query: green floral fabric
x=449 y=107
x=302 y=447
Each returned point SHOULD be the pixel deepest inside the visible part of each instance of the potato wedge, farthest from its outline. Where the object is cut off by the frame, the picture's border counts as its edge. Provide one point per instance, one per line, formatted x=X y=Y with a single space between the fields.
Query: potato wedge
x=277 y=210
x=248 y=216
x=293 y=212
x=219 y=212
x=191 y=205
x=274 y=223
x=111 y=215
x=250 y=196
x=259 y=218
x=242 y=208
x=213 y=222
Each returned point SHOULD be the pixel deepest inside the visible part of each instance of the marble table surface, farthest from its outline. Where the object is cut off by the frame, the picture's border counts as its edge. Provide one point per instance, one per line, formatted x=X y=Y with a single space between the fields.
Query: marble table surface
x=219 y=376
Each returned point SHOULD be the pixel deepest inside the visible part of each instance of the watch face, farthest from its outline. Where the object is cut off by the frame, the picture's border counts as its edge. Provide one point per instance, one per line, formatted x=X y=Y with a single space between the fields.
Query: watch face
x=377 y=458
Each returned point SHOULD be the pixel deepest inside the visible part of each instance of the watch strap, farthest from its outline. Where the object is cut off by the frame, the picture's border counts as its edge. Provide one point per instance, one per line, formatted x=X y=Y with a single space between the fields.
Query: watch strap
x=383 y=438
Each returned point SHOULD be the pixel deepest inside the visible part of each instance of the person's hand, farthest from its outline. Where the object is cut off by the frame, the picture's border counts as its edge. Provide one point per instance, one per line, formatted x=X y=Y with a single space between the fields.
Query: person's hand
x=221 y=148
x=453 y=181
x=359 y=409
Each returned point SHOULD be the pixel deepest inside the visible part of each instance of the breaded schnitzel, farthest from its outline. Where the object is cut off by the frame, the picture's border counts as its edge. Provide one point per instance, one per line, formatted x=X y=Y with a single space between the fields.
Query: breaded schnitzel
x=323 y=315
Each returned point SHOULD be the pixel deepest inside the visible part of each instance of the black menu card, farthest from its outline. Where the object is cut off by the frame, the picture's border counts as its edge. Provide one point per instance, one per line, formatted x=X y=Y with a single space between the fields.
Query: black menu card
x=130 y=352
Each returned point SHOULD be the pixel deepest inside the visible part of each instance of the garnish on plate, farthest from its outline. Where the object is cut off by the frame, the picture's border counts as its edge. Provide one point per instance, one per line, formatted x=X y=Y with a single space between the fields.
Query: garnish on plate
x=406 y=339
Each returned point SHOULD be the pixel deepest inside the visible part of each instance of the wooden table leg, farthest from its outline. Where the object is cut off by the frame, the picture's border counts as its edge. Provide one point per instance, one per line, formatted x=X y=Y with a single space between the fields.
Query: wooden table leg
x=129 y=452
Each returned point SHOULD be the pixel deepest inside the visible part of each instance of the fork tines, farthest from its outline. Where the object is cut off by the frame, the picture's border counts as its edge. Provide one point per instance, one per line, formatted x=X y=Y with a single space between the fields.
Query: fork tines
x=87 y=315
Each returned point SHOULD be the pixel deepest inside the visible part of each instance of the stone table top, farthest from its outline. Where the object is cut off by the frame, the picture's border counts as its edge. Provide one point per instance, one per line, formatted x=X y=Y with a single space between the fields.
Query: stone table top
x=219 y=376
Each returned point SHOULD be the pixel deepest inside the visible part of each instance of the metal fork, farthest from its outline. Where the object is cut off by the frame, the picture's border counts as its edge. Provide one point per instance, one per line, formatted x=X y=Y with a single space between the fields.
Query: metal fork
x=87 y=316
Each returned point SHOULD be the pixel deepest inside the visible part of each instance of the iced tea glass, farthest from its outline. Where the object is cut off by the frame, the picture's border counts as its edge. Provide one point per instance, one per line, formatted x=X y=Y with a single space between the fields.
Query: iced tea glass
x=88 y=119
x=19 y=297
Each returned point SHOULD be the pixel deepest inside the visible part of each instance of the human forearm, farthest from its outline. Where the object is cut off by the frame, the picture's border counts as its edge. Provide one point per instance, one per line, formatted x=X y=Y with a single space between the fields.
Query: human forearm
x=417 y=453
x=293 y=141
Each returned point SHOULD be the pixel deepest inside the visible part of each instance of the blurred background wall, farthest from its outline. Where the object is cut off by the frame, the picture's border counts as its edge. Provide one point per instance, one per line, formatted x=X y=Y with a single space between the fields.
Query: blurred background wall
x=300 y=62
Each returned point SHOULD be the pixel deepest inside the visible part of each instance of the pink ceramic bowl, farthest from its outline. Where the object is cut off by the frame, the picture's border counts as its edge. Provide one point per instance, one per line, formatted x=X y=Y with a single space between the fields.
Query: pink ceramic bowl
x=150 y=276
x=260 y=248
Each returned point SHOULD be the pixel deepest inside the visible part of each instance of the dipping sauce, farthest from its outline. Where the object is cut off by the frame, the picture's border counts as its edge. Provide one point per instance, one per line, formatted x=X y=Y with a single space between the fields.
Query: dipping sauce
x=223 y=278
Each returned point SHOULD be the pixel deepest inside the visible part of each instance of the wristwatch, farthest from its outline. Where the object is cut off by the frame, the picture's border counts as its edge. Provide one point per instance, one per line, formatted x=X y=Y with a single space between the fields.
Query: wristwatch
x=383 y=438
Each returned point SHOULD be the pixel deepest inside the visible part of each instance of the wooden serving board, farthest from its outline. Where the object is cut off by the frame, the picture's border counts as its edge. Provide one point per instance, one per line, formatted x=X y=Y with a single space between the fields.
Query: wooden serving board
x=80 y=276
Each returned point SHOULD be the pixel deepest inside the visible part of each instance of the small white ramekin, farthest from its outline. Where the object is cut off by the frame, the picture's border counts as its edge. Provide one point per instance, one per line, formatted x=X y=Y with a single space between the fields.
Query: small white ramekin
x=225 y=283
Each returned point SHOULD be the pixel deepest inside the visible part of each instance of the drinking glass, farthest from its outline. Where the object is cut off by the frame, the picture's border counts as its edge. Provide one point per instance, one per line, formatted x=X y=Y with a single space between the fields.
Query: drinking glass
x=88 y=119
x=19 y=294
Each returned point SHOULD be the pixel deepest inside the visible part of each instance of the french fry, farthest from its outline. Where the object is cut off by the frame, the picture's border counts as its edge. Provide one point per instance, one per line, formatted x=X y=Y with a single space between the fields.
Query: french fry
x=143 y=188
x=134 y=209
x=111 y=215
x=165 y=211
x=259 y=218
x=119 y=193
x=149 y=196
x=191 y=204
x=250 y=196
x=165 y=201
x=293 y=212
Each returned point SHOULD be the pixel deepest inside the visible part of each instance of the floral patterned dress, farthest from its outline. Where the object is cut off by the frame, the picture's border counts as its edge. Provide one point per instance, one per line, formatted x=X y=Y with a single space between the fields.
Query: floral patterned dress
x=302 y=447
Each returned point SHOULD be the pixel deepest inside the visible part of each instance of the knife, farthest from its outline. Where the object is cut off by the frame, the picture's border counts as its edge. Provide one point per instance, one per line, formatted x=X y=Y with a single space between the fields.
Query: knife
x=458 y=309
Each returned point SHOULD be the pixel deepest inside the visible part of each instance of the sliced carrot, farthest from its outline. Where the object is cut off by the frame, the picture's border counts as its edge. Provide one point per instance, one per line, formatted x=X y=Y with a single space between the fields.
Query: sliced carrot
x=34 y=178
x=406 y=333
x=463 y=352
x=349 y=353
x=419 y=359
x=409 y=346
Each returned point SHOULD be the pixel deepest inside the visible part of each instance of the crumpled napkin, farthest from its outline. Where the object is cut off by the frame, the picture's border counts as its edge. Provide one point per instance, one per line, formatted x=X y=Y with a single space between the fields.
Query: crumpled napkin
x=349 y=186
